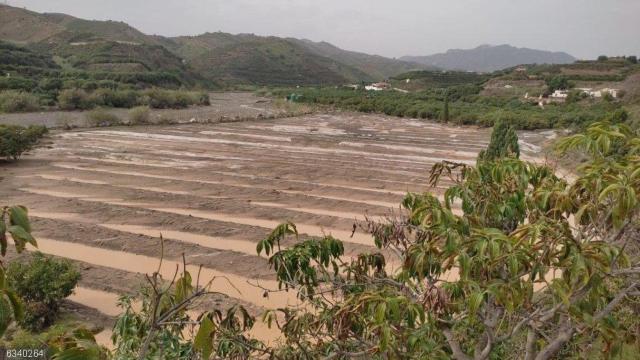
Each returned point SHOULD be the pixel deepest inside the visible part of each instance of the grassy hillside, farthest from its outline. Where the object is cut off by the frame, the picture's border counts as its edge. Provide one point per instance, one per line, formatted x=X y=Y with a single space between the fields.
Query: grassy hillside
x=378 y=67
x=272 y=61
x=24 y=26
x=110 y=46
x=107 y=30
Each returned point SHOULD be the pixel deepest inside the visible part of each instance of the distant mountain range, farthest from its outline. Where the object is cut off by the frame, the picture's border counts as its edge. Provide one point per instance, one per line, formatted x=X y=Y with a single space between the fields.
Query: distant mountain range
x=221 y=59
x=487 y=58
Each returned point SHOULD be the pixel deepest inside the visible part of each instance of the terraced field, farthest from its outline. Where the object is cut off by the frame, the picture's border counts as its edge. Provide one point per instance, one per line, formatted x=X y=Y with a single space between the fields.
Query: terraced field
x=102 y=197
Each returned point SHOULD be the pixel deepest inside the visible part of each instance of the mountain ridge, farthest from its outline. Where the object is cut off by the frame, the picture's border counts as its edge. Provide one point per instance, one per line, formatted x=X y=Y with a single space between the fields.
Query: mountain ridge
x=488 y=58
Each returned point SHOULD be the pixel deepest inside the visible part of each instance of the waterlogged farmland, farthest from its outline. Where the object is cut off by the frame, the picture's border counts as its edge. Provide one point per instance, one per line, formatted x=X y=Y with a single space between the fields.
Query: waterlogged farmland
x=102 y=197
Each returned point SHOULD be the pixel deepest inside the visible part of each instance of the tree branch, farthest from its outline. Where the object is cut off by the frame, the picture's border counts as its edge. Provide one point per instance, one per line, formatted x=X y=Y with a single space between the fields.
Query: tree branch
x=458 y=354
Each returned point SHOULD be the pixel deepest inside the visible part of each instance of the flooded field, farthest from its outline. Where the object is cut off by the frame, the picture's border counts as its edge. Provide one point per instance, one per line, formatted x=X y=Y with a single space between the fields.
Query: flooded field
x=102 y=197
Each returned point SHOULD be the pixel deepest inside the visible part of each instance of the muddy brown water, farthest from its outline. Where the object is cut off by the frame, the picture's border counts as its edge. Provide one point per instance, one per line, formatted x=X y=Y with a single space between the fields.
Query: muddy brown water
x=220 y=188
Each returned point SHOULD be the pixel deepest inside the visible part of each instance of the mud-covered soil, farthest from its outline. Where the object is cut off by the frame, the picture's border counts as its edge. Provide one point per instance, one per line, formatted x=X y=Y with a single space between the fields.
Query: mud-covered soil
x=102 y=197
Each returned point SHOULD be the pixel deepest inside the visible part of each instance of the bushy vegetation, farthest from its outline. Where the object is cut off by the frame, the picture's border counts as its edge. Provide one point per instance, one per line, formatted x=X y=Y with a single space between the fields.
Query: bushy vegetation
x=15 y=140
x=78 y=99
x=15 y=221
x=18 y=101
x=42 y=283
x=465 y=106
x=558 y=83
x=503 y=143
x=426 y=79
x=102 y=118
x=139 y=115
x=35 y=79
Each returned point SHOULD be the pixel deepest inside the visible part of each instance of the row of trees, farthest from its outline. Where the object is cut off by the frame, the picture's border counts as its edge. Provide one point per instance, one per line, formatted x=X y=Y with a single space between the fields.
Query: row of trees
x=78 y=99
x=460 y=105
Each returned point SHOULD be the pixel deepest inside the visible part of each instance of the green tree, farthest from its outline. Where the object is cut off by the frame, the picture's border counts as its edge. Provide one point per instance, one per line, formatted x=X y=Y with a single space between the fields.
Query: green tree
x=445 y=111
x=503 y=143
x=42 y=283
x=11 y=307
x=558 y=83
x=73 y=344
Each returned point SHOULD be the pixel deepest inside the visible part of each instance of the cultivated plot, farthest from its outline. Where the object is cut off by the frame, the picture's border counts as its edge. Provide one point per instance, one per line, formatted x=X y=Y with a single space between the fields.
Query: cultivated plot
x=103 y=197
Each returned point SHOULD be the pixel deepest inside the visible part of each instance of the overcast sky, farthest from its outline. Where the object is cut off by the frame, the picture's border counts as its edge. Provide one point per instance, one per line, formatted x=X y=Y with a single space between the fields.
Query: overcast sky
x=583 y=28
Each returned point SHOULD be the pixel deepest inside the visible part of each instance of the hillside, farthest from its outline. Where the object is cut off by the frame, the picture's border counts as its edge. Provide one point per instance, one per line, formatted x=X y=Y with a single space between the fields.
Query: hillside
x=94 y=46
x=350 y=65
x=24 y=26
x=272 y=61
x=378 y=67
x=487 y=58
x=218 y=57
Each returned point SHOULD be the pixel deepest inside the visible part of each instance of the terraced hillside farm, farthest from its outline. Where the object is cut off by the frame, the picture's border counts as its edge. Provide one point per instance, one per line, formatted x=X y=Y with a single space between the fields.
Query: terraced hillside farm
x=102 y=197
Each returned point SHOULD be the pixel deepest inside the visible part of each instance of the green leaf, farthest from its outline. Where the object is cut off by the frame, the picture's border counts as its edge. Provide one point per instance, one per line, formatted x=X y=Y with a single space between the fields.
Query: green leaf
x=474 y=301
x=259 y=247
x=18 y=216
x=21 y=237
x=16 y=304
x=202 y=342
x=5 y=315
x=184 y=287
x=381 y=311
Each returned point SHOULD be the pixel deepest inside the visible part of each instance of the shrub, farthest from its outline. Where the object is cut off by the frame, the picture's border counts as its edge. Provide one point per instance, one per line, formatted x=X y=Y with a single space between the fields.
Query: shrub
x=74 y=99
x=558 y=83
x=204 y=99
x=168 y=99
x=18 y=101
x=139 y=115
x=101 y=118
x=618 y=116
x=42 y=283
x=115 y=98
x=15 y=140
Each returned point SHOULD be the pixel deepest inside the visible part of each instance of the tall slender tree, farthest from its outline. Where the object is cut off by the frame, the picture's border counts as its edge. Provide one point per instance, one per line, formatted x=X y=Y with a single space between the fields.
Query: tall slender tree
x=503 y=143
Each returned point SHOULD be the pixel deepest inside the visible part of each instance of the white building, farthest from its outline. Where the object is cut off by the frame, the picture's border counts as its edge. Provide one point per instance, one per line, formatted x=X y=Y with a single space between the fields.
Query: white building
x=599 y=93
x=560 y=94
x=378 y=86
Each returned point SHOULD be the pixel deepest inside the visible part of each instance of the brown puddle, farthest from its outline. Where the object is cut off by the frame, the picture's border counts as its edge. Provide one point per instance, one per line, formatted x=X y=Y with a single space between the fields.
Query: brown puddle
x=225 y=173
x=232 y=285
x=368 y=202
x=72 y=179
x=218 y=243
x=224 y=183
x=313 y=230
x=105 y=302
x=340 y=214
